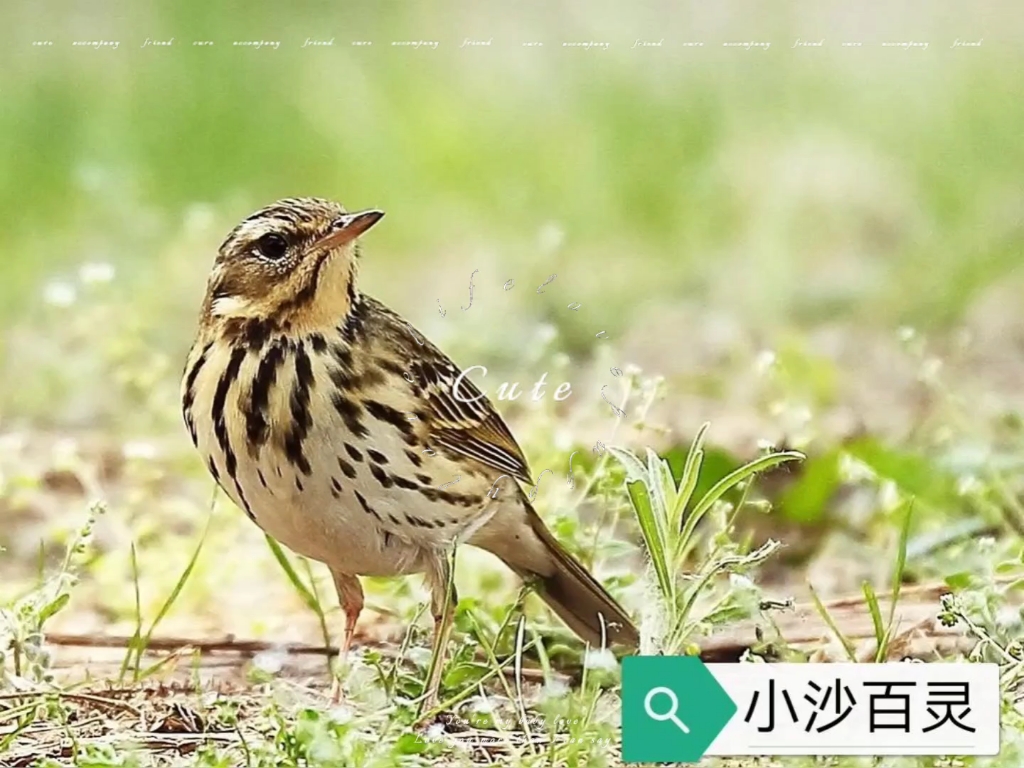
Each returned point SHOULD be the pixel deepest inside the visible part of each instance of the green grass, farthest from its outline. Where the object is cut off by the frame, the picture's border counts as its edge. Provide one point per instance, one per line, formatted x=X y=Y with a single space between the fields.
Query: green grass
x=712 y=522
x=703 y=574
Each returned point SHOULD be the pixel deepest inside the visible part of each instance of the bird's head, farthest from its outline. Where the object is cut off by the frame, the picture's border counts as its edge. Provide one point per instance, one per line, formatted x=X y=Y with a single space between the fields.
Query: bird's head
x=293 y=262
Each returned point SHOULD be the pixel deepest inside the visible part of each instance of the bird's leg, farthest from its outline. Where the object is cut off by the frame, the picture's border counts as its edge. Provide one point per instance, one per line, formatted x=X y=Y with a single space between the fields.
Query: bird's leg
x=350 y=596
x=443 y=599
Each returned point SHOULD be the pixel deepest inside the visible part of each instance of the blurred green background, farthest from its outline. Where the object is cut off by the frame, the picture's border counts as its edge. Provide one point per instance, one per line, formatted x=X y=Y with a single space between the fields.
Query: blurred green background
x=868 y=185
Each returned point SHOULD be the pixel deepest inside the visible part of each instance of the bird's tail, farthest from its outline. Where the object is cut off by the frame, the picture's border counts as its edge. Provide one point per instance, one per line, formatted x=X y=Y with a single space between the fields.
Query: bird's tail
x=574 y=594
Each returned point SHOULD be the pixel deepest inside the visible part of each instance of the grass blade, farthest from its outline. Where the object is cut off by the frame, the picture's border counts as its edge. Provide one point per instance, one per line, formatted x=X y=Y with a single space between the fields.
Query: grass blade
x=901 y=559
x=688 y=481
x=178 y=587
x=22 y=726
x=645 y=515
x=663 y=492
x=881 y=634
x=293 y=577
x=53 y=607
x=739 y=475
x=635 y=469
x=820 y=606
x=134 y=642
x=318 y=609
x=720 y=488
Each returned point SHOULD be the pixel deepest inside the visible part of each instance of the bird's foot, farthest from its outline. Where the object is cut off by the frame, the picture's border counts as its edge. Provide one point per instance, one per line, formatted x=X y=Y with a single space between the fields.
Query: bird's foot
x=337 y=693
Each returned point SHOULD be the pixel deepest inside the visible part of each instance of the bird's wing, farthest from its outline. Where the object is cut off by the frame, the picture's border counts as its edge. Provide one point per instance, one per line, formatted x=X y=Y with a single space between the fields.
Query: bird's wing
x=473 y=429
x=467 y=424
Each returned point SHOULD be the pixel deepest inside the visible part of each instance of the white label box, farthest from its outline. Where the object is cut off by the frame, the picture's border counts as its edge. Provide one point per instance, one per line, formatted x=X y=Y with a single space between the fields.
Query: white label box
x=899 y=708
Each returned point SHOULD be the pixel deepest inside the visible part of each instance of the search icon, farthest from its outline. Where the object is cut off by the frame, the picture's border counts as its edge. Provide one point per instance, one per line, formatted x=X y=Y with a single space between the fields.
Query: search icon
x=673 y=707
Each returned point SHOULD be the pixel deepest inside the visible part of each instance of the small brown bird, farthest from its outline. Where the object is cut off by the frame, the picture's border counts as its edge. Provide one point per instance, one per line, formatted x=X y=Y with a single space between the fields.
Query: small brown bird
x=332 y=423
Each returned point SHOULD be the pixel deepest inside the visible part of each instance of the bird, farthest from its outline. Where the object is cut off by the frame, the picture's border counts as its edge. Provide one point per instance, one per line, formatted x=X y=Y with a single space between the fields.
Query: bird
x=343 y=433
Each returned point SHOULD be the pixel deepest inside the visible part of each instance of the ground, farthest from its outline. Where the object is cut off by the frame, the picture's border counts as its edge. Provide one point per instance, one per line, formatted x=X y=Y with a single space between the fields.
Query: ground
x=217 y=654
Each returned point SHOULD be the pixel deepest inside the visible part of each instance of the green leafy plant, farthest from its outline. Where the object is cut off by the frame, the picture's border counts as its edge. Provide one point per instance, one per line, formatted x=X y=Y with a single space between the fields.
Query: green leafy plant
x=22 y=649
x=669 y=516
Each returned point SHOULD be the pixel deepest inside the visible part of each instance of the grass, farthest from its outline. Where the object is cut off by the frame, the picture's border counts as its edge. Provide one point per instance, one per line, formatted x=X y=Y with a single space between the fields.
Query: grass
x=661 y=506
x=699 y=539
x=688 y=534
x=140 y=640
x=488 y=707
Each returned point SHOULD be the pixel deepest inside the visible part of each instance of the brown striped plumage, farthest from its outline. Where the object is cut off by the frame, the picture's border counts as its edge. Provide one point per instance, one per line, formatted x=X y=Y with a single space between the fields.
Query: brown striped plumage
x=332 y=424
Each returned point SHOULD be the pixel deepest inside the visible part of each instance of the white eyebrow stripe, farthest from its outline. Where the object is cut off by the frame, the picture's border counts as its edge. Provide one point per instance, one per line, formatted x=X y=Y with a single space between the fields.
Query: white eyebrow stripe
x=229 y=305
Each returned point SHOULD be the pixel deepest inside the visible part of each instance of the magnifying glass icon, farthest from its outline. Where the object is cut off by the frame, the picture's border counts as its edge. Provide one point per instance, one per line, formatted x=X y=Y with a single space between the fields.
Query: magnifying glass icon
x=670 y=713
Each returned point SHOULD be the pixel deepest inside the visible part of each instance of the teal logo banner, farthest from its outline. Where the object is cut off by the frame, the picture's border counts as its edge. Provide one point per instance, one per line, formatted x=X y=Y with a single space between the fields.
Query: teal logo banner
x=673 y=708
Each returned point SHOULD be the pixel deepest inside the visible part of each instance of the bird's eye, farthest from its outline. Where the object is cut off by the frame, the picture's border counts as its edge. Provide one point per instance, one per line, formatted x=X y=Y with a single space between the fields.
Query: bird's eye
x=272 y=246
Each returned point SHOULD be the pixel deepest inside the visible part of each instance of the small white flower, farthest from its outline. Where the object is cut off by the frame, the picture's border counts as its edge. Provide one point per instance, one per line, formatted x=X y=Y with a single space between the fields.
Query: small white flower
x=435 y=732
x=854 y=470
x=341 y=715
x=96 y=272
x=555 y=689
x=888 y=496
x=601 y=658
x=739 y=581
x=199 y=218
x=65 y=450
x=550 y=237
x=906 y=333
x=546 y=333
x=1008 y=617
x=765 y=445
x=563 y=439
x=419 y=656
x=482 y=705
x=270 y=662
x=60 y=293
x=802 y=415
x=930 y=370
x=139 y=449
x=765 y=361
x=967 y=485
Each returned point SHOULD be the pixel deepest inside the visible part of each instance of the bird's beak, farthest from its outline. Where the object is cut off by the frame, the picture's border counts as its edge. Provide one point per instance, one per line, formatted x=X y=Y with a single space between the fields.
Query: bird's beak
x=348 y=227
